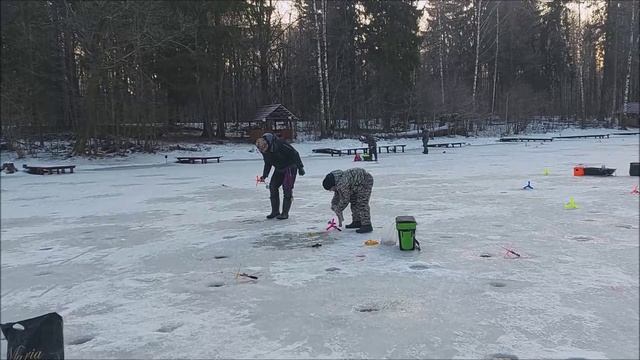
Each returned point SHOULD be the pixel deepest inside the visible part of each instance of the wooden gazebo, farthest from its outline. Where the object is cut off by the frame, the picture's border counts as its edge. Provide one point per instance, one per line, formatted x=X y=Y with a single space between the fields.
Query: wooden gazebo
x=274 y=118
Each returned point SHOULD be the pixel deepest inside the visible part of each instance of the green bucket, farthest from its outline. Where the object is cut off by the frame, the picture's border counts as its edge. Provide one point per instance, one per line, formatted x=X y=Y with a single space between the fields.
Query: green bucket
x=406 y=226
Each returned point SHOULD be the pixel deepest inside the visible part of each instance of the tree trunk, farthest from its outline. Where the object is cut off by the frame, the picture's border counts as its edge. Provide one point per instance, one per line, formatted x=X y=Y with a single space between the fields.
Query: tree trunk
x=319 y=61
x=441 y=55
x=475 y=70
x=629 y=59
x=495 y=64
x=327 y=103
x=609 y=49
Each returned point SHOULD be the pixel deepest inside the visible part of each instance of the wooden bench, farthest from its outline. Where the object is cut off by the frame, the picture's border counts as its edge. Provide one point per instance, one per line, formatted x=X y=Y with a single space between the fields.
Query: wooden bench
x=513 y=139
x=193 y=159
x=452 y=144
x=627 y=133
x=48 y=170
x=355 y=150
x=328 y=151
x=394 y=148
x=600 y=136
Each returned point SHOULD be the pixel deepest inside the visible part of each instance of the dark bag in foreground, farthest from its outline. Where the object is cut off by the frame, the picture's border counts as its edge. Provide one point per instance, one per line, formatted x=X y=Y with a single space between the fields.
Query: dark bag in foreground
x=37 y=338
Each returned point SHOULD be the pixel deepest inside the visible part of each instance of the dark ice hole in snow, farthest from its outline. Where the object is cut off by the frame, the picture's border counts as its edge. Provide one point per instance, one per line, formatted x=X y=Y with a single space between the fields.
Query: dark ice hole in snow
x=497 y=284
x=368 y=309
x=485 y=255
x=81 y=340
x=582 y=238
x=216 y=285
x=168 y=328
x=46 y=248
x=418 y=267
x=332 y=269
x=502 y=357
x=42 y=273
x=220 y=257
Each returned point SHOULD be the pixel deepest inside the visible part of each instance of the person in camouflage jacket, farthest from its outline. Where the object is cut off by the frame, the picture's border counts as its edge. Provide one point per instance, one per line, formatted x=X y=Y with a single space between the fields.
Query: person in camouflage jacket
x=352 y=186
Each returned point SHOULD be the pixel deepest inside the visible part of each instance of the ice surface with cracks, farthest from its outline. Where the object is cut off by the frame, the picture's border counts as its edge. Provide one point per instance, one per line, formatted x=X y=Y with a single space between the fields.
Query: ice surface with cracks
x=141 y=257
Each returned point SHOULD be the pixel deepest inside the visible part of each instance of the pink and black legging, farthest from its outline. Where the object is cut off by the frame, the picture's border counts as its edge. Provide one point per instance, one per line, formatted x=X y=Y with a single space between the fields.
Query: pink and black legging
x=285 y=178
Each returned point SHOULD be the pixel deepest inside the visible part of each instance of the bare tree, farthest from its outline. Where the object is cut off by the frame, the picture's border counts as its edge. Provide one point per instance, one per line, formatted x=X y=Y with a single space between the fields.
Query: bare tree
x=475 y=69
x=495 y=65
x=320 y=76
x=441 y=55
x=629 y=58
x=325 y=71
x=581 y=63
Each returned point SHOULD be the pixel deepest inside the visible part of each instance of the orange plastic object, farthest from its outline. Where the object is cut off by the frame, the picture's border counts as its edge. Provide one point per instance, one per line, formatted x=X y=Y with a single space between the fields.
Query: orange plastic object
x=578 y=171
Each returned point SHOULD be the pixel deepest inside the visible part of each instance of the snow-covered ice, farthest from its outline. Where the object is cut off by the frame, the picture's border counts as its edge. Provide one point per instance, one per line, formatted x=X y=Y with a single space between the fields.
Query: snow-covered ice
x=140 y=257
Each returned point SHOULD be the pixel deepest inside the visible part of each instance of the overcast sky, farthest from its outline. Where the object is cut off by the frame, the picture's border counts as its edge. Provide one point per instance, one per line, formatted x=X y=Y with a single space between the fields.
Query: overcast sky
x=286 y=10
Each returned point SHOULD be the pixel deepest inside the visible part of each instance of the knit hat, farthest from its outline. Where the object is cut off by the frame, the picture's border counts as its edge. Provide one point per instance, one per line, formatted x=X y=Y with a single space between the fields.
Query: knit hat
x=329 y=181
x=262 y=145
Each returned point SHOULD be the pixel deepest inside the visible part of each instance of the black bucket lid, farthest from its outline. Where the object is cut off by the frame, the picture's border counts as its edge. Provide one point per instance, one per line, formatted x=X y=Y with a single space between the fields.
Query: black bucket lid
x=405 y=219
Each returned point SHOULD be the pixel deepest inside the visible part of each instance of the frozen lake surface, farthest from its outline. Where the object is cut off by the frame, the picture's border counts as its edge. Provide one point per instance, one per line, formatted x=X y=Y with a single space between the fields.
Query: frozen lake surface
x=141 y=258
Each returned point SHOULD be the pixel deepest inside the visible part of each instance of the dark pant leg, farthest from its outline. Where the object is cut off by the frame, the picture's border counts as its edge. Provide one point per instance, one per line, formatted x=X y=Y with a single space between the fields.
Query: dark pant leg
x=373 y=151
x=276 y=181
x=288 y=181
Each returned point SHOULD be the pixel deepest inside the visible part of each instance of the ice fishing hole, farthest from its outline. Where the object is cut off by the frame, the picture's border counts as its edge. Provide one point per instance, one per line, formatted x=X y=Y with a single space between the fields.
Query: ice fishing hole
x=368 y=310
x=215 y=285
x=45 y=248
x=168 y=328
x=485 y=255
x=81 y=340
x=419 y=267
x=502 y=357
x=582 y=238
x=497 y=284
x=220 y=257
x=332 y=269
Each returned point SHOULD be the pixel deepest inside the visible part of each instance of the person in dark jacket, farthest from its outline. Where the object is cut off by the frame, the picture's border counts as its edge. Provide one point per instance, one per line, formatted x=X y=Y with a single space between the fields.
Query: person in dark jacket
x=425 y=141
x=372 y=145
x=352 y=186
x=286 y=161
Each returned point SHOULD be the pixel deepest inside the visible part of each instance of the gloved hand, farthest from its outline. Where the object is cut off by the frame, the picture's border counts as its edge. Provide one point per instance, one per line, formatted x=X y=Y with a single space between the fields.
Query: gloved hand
x=301 y=171
x=340 y=218
x=262 y=178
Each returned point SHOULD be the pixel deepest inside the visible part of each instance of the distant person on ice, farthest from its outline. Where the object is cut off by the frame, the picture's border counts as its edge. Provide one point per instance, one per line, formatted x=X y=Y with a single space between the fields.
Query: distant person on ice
x=425 y=141
x=373 y=146
x=286 y=161
x=353 y=187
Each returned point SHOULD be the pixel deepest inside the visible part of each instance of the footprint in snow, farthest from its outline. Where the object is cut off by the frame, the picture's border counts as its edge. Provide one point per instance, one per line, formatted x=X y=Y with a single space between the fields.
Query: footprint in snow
x=81 y=340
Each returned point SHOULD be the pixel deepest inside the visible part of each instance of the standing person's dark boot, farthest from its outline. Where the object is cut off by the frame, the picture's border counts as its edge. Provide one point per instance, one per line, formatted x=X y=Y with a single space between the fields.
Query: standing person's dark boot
x=354 y=225
x=286 y=206
x=275 y=207
x=365 y=229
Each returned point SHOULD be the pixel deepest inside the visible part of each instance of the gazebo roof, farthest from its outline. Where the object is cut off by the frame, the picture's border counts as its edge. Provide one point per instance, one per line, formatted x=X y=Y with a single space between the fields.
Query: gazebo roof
x=274 y=112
